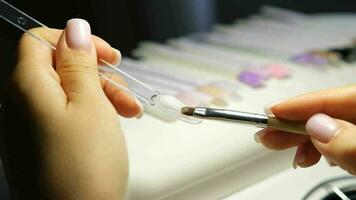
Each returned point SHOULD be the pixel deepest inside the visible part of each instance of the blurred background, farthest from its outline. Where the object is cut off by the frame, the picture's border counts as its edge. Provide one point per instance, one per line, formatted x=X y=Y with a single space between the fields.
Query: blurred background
x=123 y=23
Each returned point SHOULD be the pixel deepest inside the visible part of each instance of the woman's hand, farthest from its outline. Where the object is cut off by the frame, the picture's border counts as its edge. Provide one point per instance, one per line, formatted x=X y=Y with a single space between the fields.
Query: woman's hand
x=330 y=116
x=64 y=125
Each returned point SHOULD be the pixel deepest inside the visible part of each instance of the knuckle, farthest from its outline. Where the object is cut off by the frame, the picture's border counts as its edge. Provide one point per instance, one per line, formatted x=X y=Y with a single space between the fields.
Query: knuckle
x=72 y=67
x=77 y=62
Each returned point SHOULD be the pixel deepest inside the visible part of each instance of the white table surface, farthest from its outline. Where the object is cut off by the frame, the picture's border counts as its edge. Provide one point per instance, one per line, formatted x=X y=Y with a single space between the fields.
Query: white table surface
x=214 y=160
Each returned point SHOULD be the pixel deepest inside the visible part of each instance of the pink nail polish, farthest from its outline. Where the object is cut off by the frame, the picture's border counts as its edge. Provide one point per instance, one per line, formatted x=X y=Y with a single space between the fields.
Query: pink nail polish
x=78 y=34
x=322 y=127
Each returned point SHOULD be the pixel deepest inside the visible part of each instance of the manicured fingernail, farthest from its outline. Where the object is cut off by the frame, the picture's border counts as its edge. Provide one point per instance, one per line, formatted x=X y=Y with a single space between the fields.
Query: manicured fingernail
x=78 y=34
x=117 y=57
x=140 y=114
x=268 y=107
x=322 y=127
x=259 y=135
x=299 y=157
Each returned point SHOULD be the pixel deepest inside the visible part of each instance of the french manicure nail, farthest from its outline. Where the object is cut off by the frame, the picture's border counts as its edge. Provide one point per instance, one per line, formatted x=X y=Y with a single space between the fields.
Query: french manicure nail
x=259 y=135
x=321 y=127
x=78 y=34
x=267 y=108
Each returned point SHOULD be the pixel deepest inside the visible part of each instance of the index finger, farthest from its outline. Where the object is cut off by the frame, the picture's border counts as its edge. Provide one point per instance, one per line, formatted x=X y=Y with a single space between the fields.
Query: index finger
x=338 y=102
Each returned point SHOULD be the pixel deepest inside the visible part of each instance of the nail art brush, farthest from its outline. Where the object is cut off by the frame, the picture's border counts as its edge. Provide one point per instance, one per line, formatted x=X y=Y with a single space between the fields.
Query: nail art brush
x=258 y=120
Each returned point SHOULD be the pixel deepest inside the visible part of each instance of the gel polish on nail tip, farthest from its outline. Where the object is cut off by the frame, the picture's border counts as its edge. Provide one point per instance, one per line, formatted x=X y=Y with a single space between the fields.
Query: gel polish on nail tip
x=78 y=34
x=322 y=127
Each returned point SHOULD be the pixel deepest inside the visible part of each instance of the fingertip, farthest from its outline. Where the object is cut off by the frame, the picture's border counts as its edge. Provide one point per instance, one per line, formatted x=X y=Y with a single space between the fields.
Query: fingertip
x=279 y=140
x=268 y=108
x=125 y=104
x=259 y=135
x=112 y=56
x=116 y=55
x=106 y=52
x=306 y=155
x=141 y=109
x=300 y=155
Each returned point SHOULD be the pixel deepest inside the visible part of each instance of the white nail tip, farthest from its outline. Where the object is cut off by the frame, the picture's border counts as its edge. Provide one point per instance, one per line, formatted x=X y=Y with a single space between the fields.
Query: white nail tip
x=172 y=107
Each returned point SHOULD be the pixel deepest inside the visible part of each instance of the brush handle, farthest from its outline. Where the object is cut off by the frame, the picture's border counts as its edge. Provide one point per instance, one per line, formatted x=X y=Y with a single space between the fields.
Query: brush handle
x=231 y=116
x=286 y=125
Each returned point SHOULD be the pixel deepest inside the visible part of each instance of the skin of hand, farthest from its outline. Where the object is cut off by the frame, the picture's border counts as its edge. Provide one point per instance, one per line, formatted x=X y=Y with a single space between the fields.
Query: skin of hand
x=330 y=116
x=61 y=137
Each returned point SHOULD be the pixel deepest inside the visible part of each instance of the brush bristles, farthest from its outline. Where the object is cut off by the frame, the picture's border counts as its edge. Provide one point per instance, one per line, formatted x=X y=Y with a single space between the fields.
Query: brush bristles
x=188 y=111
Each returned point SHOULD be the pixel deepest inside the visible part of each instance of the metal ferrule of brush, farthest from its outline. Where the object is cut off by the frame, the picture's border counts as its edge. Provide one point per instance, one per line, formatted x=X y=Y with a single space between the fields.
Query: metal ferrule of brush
x=232 y=116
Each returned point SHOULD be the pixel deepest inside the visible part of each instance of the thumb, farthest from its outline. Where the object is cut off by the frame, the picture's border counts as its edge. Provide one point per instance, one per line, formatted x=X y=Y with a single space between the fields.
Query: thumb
x=335 y=139
x=76 y=61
